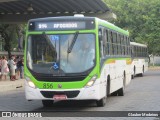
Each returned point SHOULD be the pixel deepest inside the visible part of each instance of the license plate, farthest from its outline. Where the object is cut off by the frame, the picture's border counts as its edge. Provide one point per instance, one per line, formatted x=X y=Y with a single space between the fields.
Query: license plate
x=59 y=97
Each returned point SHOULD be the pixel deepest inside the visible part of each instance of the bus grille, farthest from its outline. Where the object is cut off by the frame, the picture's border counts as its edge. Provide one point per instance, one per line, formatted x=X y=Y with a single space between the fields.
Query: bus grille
x=51 y=78
x=69 y=94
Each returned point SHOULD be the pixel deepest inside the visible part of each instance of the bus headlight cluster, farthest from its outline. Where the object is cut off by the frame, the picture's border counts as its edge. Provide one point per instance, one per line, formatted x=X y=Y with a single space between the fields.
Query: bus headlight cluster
x=92 y=81
x=30 y=83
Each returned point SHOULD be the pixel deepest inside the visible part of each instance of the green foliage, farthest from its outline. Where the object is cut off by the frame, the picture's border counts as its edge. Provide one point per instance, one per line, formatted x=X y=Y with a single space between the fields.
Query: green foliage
x=141 y=18
x=10 y=35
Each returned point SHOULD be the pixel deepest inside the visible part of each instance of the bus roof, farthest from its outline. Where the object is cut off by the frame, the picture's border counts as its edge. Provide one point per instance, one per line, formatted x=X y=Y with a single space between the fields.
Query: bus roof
x=138 y=44
x=112 y=26
x=68 y=18
x=61 y=17
x=64 y=23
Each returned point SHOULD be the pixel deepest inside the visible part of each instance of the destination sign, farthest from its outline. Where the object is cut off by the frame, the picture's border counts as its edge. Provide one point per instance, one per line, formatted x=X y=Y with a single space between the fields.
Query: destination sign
x=60 y=25
x=68 y=25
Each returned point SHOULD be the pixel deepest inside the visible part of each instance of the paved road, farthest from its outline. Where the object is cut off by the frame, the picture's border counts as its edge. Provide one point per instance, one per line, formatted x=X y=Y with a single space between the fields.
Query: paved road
x=141 y=95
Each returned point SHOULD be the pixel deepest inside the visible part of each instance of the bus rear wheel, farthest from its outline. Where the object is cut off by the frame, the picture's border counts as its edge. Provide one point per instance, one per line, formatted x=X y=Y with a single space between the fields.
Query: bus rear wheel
x=101 y=102
x=47 y=103
x=120 y=92
x=132 y=76
x=141 y=74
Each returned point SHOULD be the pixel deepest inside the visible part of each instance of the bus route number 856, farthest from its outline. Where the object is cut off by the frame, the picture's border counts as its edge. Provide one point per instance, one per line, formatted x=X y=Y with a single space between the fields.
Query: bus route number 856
x=47 y=85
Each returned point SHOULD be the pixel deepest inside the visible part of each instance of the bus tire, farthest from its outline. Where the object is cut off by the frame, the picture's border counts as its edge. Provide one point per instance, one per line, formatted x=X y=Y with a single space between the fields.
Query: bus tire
x=47 y=103
x=114 y=93
x=101 y=102
x=134 y=74
x=141 y=74
x=108 y=86
x=121 y=90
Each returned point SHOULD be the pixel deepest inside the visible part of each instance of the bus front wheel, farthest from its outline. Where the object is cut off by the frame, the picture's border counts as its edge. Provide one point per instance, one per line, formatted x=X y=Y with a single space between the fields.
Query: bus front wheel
x=47 y=103
x=101 y=102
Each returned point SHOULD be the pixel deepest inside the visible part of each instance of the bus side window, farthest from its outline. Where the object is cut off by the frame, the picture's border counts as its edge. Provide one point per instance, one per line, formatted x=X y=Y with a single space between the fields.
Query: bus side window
x=112 y=43
x=100 y=35
x=122 y=45
x=107 y=43
x=102 y=42
x=119 y=44
x=135 y=51
x=138 y=51
x=132 y=51
x=129 y=47
x=147 y=55
x=104 y=39
x=125 y=42
x=143 y=52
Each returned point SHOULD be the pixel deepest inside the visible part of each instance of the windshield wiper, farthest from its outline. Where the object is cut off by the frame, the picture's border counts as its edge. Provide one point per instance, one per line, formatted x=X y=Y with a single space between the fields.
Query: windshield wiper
x=73 y=42
x=50 y=43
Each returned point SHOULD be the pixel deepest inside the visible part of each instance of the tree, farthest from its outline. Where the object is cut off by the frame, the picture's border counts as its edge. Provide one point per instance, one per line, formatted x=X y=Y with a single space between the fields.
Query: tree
x=8 y=33
x=20 y=33
x=141 y=18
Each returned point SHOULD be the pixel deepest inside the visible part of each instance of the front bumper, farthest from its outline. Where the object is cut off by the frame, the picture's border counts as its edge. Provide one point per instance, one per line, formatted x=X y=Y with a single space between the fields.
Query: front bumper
x=94 y=92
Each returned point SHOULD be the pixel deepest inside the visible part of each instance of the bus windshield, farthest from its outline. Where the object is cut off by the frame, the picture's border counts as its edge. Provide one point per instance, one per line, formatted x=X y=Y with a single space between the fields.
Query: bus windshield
x=49 y=55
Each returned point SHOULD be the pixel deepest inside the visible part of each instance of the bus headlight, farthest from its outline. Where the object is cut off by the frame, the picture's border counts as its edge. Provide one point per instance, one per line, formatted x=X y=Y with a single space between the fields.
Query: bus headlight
x=92 y=81
x=30 y=83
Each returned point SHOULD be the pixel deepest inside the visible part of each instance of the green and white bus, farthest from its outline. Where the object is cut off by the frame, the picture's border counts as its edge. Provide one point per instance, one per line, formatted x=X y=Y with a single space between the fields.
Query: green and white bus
x=75 y=58
x=140 y=58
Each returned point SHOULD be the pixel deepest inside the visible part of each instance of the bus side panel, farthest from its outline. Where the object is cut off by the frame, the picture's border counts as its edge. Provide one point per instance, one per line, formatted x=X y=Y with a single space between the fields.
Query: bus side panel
x=115 y=69
x=117 y=82
x=138 y=63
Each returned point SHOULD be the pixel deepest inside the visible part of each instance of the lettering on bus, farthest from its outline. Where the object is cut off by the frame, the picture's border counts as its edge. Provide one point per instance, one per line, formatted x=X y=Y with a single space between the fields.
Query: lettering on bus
x=65 y=25
x=59 y=25
x=41 y=26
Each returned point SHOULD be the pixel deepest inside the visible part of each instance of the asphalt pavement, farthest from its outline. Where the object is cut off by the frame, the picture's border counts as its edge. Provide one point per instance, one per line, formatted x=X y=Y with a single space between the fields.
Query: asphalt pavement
x=141 y=95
